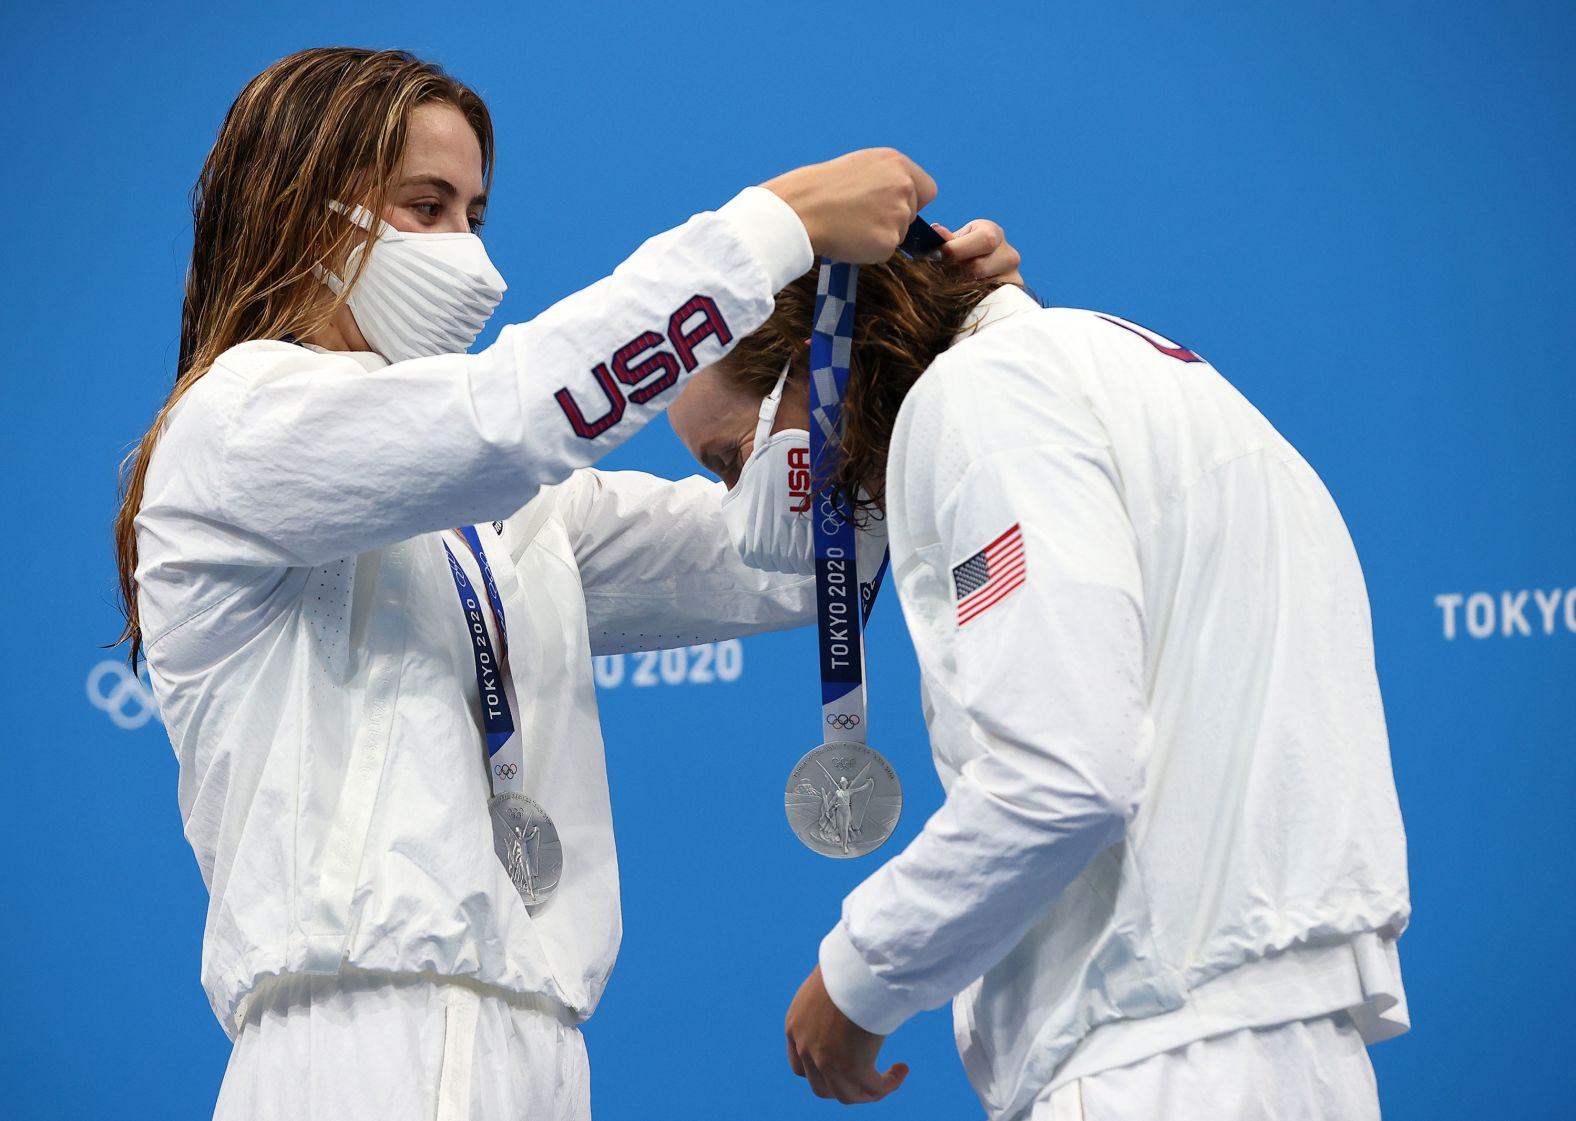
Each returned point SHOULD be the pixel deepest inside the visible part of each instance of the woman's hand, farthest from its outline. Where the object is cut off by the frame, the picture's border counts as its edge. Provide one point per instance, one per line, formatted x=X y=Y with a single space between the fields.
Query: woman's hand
x=982 y=248
x=858 y=207
x=834 y=1054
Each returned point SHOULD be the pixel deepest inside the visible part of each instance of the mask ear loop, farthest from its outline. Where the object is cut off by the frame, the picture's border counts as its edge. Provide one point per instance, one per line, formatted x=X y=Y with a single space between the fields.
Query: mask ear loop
x=356 y=216
x=768 y=413
x=361 y=216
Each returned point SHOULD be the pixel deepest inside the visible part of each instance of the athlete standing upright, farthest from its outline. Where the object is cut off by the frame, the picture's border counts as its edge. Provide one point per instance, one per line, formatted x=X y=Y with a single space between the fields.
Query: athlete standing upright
x=373 y=709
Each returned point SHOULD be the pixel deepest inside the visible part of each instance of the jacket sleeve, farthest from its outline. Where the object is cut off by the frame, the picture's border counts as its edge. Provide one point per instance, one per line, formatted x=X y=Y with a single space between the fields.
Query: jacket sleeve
x=281 y=455
x=659 y=568
x=1050 y=674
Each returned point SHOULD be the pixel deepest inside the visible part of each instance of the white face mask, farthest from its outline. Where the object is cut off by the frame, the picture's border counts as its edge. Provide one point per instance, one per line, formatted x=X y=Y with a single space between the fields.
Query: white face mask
x=767 y=511
x=420 y=294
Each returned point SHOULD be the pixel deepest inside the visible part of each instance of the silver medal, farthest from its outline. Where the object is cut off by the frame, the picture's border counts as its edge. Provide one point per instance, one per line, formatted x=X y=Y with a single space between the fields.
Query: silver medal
x=843 y=800
x=526 y=840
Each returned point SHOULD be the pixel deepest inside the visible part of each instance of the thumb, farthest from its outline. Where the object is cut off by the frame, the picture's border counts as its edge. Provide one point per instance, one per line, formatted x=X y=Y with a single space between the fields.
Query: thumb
x=943 y=231
x=893 y=1077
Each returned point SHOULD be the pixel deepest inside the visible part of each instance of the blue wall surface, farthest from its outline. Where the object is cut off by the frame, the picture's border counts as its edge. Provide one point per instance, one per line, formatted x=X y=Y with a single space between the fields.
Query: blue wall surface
x=1360 y=211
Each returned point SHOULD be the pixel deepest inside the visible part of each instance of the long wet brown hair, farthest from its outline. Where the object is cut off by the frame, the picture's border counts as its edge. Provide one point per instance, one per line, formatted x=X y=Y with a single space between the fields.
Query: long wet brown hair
x=906 y=313
x=327 y=124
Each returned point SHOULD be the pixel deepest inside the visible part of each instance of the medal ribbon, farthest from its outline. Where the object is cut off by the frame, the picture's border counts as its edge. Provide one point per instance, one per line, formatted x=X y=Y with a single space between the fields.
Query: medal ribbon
x=473 y=539
x=503 y=746
x=843 y=604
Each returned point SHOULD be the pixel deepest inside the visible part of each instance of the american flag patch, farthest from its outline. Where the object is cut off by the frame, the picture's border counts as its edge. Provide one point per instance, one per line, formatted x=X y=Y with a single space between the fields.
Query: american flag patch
x=989 y=575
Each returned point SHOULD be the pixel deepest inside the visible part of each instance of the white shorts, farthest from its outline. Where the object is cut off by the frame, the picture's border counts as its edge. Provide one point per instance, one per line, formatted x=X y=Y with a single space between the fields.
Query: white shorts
x=383 y=1048
x=1312 y=1070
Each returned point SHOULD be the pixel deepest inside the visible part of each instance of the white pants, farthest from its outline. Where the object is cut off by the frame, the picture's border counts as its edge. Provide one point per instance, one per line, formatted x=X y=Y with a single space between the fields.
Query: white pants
x=371 y=1047
x=1313 y=1070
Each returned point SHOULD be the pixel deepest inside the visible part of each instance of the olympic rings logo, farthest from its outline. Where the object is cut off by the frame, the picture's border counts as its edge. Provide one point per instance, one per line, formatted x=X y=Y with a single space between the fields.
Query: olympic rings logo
x=505 y=770
x=832 y=517
x=127 y=701
x=844 y=720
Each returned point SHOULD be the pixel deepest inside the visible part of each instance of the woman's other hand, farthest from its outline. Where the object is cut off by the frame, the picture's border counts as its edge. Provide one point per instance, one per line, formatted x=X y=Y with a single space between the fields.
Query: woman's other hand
x=982 y=248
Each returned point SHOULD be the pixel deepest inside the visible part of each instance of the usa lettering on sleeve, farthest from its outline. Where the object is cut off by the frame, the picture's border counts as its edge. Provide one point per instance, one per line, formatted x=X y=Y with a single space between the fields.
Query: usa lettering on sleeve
x=989 y=576
x=644 y=363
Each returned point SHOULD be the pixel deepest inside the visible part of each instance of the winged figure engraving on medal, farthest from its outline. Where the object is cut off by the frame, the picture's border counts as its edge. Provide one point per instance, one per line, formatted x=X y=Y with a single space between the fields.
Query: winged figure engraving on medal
x=843 y=814
x=527 y=844
x=522 y=858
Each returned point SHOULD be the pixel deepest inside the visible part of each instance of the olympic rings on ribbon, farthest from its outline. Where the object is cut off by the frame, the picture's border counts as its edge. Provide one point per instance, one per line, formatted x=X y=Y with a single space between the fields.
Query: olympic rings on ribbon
x=505 y=770
x=844 y=720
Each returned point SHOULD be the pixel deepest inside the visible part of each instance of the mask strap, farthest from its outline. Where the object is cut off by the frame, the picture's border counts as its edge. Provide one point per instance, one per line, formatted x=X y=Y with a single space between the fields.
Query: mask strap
x=768 y=414
x=360 y=216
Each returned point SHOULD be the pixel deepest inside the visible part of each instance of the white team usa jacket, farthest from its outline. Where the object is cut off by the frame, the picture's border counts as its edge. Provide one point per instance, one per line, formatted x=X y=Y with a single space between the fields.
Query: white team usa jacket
x=1145 y=648
x=307 y=647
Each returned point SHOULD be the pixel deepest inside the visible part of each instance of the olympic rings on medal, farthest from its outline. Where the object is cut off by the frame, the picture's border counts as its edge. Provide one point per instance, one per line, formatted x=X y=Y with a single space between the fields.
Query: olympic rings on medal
x=505 y=770
x=128 y=702
x=844 y=720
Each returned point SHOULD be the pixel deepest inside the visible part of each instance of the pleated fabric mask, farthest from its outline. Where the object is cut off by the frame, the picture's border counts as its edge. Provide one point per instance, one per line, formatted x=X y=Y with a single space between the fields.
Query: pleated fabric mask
x=421 y=294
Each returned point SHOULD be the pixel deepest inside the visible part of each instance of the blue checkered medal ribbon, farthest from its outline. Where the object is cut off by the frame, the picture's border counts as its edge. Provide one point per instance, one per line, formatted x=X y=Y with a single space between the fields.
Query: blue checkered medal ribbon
x=842 y=798
x=838 y=614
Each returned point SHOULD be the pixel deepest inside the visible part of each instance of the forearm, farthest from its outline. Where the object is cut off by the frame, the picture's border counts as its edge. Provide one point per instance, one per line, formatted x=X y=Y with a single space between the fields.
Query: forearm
x=659 y=567
x=321 y=461
x=963 y=893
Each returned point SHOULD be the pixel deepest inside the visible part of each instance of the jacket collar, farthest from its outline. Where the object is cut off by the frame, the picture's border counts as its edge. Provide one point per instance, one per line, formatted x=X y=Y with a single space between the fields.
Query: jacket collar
x=1003 y=303
x=366 y=359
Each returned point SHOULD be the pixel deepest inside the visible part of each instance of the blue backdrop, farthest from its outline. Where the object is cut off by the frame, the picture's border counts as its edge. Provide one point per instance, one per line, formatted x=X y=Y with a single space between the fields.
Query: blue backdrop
x=1360 y=211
